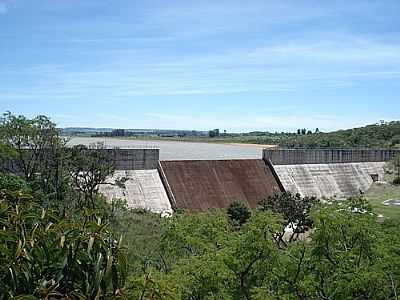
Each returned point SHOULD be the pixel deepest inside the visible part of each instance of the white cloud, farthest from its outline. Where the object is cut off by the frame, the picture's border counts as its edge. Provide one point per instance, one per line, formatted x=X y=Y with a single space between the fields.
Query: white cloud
x=281 y=67
x=289 y=121
x=3 y=8
x=206 y=48
x=6 y=5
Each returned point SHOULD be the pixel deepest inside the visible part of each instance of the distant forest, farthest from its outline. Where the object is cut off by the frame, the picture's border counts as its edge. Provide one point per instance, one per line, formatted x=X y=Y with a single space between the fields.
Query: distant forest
x=384 y=135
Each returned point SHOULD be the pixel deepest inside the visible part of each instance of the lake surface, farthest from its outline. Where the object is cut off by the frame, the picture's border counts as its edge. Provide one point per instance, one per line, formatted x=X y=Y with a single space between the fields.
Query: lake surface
x=171 y=150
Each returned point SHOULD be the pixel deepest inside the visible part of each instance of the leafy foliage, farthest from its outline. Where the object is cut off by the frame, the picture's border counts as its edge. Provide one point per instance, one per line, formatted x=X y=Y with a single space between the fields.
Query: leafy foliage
x=386 y=135
x=383 y=135
x=43 y=256
x=295 y=211
x=238 y=213
x=30 y=139
x=347 y=257
x=90 y=167
x=54 y=245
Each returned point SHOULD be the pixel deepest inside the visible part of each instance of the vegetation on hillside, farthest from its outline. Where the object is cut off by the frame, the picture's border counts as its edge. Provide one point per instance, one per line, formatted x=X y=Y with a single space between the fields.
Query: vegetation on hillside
x=385 y=135
x=60 y=239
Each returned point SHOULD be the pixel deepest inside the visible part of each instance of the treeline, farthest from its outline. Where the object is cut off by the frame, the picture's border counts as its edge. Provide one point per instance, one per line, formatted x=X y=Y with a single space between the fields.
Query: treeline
x=149 y=133
x=60 y=239
x=382 y=135
x=385 y=135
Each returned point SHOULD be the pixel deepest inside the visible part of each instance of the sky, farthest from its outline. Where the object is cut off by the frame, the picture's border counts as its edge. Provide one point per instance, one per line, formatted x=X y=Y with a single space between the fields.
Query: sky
x=234 y=65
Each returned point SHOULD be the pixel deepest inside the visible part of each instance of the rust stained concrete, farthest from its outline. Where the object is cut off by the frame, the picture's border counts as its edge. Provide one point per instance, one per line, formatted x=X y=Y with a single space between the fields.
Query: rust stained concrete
x=200 y=185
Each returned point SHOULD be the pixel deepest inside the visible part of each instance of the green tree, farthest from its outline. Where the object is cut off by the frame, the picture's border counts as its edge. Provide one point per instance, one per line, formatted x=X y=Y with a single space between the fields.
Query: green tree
x=346 y=259
x=209 y=260
x=213 y=133
x=37 y=152
x=238 y=213
x=31 y=140
x=45 y=257
x=295 y=211
x=7 y=155
x=396 y=165
x=89 y=168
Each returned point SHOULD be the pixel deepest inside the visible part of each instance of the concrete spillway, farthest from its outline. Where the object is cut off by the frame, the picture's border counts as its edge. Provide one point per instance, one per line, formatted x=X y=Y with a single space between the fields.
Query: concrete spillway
x=339 y=180
x=143 y=189
x=201 y=185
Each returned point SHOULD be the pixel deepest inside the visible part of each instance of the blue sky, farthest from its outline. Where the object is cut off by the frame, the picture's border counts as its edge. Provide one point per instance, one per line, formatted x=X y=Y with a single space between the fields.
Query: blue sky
x=235 y=65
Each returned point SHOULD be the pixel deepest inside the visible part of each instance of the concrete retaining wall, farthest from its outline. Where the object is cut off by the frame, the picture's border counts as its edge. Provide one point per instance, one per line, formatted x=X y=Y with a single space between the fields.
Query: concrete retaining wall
x=135 y=159
x=329 y=181
x=327 y=156
x=124 y=159
x=143 y=189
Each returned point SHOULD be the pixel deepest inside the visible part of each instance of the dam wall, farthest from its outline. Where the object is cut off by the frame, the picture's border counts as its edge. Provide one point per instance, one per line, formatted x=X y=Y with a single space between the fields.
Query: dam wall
x=330 y=181
x=199 y=185
x=327 y=156
x=141 y=189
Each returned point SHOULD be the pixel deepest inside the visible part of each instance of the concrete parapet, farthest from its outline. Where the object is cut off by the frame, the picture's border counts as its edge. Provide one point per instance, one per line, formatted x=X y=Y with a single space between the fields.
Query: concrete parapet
x=124 y=159
x=327 y=156
x=135 y=159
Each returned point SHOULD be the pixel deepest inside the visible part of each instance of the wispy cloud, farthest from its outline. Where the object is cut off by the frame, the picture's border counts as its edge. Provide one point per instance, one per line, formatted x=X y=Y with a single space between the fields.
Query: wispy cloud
x=308 y=64
x=6 y=5
x=104 y=54
x=261 y=122
x=3 y=8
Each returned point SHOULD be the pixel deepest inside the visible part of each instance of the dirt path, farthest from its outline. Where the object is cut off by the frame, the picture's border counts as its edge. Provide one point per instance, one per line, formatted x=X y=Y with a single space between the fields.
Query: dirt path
x=252 y=145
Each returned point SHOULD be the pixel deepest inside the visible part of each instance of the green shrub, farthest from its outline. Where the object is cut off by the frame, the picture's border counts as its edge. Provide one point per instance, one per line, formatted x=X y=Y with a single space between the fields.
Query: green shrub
x=44 y=257
x=238 y=213
x=396 y=181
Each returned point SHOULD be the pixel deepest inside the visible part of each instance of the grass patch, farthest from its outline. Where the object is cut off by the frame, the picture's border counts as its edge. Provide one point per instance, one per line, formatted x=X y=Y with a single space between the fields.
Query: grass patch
x=141 y=233
x=378 y=193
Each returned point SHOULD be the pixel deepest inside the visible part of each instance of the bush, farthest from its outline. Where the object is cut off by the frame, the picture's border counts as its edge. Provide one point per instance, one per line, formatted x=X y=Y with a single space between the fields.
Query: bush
x=45 y=257
x=396 y=181
x=238 y=213
x=295 y=211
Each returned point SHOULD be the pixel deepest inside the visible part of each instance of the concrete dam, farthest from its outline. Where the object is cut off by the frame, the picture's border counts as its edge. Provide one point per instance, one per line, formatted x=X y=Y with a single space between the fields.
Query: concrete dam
x=199 y=185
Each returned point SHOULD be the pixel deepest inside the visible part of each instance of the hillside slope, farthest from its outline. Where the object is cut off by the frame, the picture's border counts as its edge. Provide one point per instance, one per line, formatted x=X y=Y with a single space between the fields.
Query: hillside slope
x=385 y=135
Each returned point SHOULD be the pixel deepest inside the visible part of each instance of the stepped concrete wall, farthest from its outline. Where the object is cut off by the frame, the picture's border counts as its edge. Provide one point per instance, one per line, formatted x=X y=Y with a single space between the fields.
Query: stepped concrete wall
x=327 y=156
x=200 y=185
x=143 y=189
x=341 y=180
